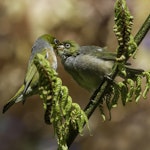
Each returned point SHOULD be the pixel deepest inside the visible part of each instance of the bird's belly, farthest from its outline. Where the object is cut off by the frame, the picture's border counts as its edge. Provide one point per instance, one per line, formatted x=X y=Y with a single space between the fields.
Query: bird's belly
x=90 y=81
x=91 y=71
x=88 y=71
x=87 y=80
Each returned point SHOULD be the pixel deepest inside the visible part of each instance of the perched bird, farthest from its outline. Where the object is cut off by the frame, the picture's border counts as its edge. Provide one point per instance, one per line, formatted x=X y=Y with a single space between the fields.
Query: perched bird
x=44 y=45
x=88 y=64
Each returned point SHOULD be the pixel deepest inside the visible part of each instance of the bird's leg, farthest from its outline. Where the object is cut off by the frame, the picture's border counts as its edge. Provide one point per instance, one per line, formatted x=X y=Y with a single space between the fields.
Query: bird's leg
x=106 y=77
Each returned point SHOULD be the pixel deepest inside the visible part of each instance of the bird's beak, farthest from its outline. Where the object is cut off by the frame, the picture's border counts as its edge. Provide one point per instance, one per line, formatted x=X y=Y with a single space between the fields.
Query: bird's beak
x=60 y=47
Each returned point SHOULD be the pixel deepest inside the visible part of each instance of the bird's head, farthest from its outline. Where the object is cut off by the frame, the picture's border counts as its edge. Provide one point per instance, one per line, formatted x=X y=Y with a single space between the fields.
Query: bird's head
x=68 y=48
x=50 y=39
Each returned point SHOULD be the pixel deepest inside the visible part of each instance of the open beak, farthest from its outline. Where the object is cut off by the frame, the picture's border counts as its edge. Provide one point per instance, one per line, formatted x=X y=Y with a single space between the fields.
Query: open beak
x=60 y=47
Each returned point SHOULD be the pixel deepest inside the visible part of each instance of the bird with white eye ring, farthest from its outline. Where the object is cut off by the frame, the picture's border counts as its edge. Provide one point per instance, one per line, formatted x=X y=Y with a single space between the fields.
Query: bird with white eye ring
x=44 y=45
x=88 y=65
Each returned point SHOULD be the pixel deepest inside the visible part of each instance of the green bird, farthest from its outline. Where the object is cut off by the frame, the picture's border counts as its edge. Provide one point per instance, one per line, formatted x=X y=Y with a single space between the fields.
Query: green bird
x=87 y=64
x=44 y=45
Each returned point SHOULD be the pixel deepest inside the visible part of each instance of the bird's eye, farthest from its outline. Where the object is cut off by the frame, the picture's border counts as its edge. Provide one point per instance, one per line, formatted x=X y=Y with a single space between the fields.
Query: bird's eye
x=67 y=45
x=56 y=41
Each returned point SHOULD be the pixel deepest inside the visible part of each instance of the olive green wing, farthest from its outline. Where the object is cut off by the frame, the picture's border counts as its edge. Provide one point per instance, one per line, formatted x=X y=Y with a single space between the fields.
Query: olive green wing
x=98 y=52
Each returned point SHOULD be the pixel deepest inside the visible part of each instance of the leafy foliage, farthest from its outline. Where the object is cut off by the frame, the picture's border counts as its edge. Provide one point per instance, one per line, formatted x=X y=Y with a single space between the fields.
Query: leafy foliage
x=131 y=86
x=122 y=28
x=58 y=105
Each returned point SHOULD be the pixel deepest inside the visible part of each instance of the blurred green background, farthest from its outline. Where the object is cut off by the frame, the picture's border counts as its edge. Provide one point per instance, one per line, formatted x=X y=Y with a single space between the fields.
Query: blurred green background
x=89 y=22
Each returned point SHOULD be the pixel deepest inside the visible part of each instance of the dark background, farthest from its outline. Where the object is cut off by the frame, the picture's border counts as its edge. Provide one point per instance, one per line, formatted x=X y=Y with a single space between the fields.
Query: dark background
x=89 y=22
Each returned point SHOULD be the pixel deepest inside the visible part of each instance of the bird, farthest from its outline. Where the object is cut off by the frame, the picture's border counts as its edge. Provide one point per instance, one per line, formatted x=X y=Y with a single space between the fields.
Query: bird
x=44 y=45
x=88 y=65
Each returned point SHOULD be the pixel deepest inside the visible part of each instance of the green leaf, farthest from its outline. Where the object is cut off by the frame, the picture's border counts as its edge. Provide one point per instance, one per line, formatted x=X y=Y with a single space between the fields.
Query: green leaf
x=58 y=105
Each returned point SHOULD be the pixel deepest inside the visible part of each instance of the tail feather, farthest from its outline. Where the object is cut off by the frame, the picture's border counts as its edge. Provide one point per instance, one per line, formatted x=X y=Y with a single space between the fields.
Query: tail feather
x=7 y=106
x=17 y=98
x=131 y=72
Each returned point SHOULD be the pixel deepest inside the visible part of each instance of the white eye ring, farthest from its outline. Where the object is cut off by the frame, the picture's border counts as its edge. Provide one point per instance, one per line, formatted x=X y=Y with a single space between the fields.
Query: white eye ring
x=67 y=45
x=56 y=41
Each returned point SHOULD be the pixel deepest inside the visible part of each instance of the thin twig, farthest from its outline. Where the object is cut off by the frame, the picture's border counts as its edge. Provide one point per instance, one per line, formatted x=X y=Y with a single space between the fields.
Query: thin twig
x=142 y=32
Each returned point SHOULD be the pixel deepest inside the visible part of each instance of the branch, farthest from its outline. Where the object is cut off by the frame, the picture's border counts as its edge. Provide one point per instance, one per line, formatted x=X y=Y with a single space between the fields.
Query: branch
x=143 y=31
